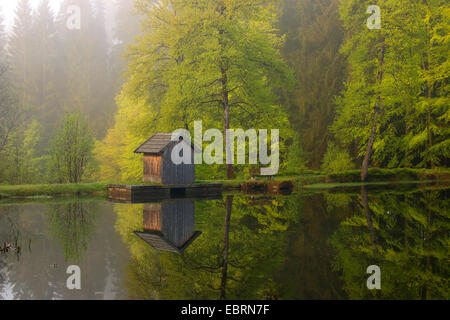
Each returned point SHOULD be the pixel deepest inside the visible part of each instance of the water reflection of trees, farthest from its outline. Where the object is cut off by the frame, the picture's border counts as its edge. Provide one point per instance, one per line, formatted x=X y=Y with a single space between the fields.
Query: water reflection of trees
x=15 y=241
x=406 y=235
x=299 y=247
x=72 y=226
x=232 y=259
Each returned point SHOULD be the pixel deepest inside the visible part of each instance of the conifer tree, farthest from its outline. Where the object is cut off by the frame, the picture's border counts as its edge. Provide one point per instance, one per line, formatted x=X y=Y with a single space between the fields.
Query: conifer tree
x=43 y=60
x=103 y=104
x=314 y=35
x=20 y=52
x=395 y=104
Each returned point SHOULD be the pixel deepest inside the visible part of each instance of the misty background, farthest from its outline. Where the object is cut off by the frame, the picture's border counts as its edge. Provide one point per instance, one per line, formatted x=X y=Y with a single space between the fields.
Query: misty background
x=48 y=70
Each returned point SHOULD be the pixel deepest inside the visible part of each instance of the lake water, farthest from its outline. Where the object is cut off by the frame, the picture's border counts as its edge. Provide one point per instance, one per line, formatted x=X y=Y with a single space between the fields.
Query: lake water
x=308 y=245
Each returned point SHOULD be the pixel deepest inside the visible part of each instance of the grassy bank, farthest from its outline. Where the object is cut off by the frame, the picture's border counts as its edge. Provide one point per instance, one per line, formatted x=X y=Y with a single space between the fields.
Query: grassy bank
x=312 y=179
x=352 y=185
x=390 y=175
x=52 y=190
x=350 y=179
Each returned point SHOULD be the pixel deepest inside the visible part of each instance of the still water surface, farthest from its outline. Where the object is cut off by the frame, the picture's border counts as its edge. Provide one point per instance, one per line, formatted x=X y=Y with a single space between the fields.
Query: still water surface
x=301 y=246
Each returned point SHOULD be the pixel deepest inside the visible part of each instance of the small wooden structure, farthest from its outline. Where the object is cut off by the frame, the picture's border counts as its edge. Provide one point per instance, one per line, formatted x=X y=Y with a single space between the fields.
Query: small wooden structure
x=151 y=193
x=169 y=225
x=158 y=164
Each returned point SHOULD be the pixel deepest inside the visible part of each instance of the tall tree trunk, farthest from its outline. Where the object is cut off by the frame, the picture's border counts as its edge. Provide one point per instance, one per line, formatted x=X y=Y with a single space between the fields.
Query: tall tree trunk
x=366 y=207
x=430 y=138
x=369 y=149
x=226 y=121
x=409 y=106
x=225 y=98
x=229 y=205
x=427 y=69
x=365 y=165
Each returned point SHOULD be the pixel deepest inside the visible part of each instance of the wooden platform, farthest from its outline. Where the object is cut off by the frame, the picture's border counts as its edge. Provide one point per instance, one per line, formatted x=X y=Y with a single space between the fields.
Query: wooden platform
x=150 y=193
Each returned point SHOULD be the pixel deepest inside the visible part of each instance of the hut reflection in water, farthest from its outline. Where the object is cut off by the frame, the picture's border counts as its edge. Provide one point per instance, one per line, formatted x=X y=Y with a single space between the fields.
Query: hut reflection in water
x=169 y=225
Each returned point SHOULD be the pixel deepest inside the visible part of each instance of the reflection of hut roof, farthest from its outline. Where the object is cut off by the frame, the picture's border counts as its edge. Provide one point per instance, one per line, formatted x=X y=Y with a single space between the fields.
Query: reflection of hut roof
x=169 y=226
x=157 y=143
x=157 y=240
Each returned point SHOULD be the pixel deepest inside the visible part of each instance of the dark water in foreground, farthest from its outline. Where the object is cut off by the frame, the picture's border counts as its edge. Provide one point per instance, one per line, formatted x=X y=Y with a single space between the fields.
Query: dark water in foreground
x=301 y=246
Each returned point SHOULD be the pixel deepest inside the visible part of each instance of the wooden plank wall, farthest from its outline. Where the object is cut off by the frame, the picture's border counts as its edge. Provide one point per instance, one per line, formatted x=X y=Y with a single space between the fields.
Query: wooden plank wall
x=152 y=217
x=177 y=174
x=178 y=222
x=152 y=168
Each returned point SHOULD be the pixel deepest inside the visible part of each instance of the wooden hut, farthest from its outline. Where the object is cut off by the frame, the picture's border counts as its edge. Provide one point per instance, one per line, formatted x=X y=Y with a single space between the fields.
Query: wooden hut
x=169 y=226
x=158 y=165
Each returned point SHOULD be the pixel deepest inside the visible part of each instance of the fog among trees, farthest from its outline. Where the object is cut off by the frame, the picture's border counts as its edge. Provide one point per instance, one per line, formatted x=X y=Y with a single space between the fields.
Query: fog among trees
x=343 y=95
x=48 y=71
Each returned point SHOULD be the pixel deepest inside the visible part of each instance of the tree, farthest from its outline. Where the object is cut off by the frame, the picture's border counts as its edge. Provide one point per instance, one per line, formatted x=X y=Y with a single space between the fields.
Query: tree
x=83 y=65
x=10 y=113
x=71 y=149
x=314 y=35
x=127 y=28
x=44 y=30
x=20 y=51
x=102 y=106
x=362 y=102
x=239 y=252
x=72 y=225
x=34 y=164
x=393 y=111
x=44 y=63
x=406 y=235
x=206 y=60
x=435 y=75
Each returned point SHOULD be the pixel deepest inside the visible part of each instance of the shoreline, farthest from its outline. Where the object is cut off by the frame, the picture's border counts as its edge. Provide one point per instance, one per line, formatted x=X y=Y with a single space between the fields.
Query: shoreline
x=306 y=181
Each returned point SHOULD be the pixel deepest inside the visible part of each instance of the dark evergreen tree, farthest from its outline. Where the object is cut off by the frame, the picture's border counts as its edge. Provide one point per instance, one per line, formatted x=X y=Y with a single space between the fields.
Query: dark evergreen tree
x=44 y=54
x=20 y=53
x=314 y=35
x=103 y=103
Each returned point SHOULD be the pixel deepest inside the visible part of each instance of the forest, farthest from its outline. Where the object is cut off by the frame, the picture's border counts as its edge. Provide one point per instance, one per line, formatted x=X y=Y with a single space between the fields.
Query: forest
x=76 y=102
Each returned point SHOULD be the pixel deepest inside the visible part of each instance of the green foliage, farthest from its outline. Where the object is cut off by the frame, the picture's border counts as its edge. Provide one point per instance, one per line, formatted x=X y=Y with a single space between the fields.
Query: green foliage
x=51 y=70
x=336 y=160
x=23 y=191
x=311 y=68
x=408 y=241
x=314 y=36
x=197 y=61
x=296 y=155
x=71 y=149
x=72 y=226
x=405 y=105
x=379 y=174
x=256 y=249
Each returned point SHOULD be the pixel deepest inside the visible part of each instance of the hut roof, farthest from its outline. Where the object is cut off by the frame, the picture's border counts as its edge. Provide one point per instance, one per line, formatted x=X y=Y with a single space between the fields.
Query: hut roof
x=157 y=240
x=157 y=143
